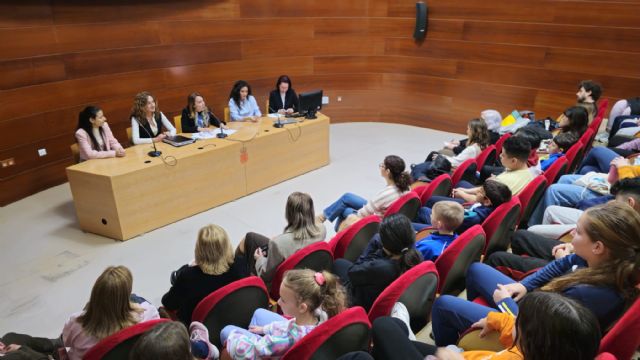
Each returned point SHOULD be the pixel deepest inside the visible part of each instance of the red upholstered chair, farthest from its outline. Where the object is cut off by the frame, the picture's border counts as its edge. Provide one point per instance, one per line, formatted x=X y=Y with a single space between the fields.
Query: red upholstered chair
x=233 y=304
x=557 y=169
x=117 y=346
x=468 y=168
x=454 y=261
x=587 y=140
x=343 y=333
x=500 y=225
x=624 y=337
x=489 y=153
x=440 y=186
x=350 y=242
x=499 y=145
x=416 y=289
x=407 y=205
x=605 y=356
x=574 y=156
x=529 y=197
x=317 y=256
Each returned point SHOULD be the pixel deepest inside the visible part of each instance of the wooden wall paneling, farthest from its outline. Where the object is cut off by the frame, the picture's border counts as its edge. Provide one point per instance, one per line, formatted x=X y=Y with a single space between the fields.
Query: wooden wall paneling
x=387 y=28
x=84 y=37
x=37 y=13
x=553 y=35
x=27 y=42
x=71 y=92
x=86 y=64
x=597 y=13
x=31 y=71
x=384 y=64
x=337 y=82
x=479 y=52
x=27 y=183
x=73 y=12
x=338 y=45
x=27 y=158
x=303 y=8
x=552 y=103
x=183 y=32
x=593 y=61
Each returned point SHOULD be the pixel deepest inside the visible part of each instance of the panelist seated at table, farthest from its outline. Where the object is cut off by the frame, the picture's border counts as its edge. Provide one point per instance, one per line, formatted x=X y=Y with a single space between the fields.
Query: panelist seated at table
x=95 y=139
x=242 y=105
x=283 y=99
x=145 y=113
x=197 y=117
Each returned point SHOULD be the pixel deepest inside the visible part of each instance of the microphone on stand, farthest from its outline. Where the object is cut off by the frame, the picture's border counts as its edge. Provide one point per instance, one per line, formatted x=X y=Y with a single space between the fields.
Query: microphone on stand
x=278 y=124
x=221 y=134
x=155 y=152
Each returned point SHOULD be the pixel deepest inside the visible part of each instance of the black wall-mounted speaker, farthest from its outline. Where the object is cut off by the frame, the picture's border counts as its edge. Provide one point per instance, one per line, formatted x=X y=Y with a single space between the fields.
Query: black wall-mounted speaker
x=421 y=21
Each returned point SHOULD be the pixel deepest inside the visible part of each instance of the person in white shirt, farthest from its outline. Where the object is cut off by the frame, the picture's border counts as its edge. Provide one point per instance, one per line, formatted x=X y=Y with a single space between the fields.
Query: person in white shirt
x=354 y=207
x=242 y=105
x=147 y=121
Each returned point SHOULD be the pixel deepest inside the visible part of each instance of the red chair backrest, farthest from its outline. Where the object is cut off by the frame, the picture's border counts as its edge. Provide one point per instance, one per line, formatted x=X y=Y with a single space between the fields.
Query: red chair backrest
x=416 y=289
x=602 y=107
x=500 y=225
x=624 y=337
x=440 y=186
x=350 y=242
x=233 y=304
x=454 y=261
x=117 y=346
x=529 y=197
x=574 y=156
x=557 y=169
x=343 y=333
x=587 y=140
x=468 y=166
x=407 y=205
x=488 y=153
x=499 y=144
x=317 y=256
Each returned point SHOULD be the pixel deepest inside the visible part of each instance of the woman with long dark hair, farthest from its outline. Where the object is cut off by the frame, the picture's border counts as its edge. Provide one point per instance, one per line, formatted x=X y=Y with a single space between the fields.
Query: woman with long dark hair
x=94 y=137
x=242 y=105
x=283 y=98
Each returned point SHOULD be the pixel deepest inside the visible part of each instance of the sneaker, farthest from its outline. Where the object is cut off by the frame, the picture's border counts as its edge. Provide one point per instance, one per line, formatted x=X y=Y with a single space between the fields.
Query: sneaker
x=200 y=335
x=400 y=311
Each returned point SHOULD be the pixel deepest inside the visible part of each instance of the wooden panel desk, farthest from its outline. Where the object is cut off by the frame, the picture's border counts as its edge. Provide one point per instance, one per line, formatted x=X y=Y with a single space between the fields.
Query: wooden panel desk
x=124 y=197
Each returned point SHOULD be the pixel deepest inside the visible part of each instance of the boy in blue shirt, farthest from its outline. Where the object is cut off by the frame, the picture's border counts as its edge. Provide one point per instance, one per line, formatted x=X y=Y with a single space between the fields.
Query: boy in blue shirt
x=491 y=195
x=446 y=216
x=558 y=147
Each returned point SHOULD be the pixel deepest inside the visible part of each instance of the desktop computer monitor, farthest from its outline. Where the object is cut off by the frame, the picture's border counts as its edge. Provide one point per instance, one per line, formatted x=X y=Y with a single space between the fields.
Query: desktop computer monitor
x=310 y=102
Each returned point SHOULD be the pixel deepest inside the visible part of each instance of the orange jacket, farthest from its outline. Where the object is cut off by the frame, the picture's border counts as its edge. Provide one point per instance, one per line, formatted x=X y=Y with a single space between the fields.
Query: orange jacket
x=504 y=324
x=628 y=171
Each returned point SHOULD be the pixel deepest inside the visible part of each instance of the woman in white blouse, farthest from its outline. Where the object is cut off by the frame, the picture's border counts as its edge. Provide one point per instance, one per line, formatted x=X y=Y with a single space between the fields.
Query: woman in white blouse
x=147 y=121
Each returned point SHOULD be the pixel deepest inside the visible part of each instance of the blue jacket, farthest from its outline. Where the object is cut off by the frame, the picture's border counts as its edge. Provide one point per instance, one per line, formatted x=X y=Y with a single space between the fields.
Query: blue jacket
x=544 y=164
x=474 y=215
x=433 y=245
x=605 y=302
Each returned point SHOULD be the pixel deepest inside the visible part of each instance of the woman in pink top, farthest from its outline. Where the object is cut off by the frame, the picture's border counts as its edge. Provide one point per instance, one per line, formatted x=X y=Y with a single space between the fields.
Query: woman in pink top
x=95 y=139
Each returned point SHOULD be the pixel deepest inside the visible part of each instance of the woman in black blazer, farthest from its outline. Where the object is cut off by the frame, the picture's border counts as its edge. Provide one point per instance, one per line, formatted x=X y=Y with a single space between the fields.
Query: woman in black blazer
x=196 y=117
x=283 y=99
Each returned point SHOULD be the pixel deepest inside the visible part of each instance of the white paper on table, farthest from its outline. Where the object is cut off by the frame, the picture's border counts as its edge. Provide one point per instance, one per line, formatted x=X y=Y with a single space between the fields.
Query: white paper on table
x=274 y=115
x=210 y=134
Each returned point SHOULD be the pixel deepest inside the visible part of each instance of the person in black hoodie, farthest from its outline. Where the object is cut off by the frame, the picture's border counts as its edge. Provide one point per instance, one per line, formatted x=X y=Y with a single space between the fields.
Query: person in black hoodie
x=389 y=254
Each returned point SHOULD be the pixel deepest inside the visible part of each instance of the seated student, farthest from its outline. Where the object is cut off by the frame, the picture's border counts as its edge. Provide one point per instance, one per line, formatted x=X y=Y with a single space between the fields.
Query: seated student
x=94 y=137
x=398 y=180
x=492 y=118
x=557 y=148
x=534 y=139
x=213 y=268
x=242 y=105
x=622 y=168
x=515 y=152
x=548 y=326
x=540 y=248
x=283 y=99
x=389 y=254
x=478 y=141
x=574 y=119
x=147 y=121
x=264 y=255
x=307 y=299
x=588 y=94
x=601 y=275
x=168 y=340
x=446 y=216
x=111 y=308
x=196 y=116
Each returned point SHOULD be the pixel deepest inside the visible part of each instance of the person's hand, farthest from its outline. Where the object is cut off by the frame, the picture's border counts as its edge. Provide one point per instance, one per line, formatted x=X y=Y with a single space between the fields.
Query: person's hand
x=290 y=111
x=434 y=156
x=258 y=254
x=562 y=250
x=515 y=291
x=483 y=326
x=256 y=329
x=12 y=347
x=254 y=118
x=282 y=111
x=159 y=138
x=120 y=152
x=620 y=162
x=447 y=354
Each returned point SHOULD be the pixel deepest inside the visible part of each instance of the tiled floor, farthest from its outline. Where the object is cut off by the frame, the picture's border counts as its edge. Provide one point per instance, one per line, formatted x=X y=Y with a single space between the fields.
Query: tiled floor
x=48 y=264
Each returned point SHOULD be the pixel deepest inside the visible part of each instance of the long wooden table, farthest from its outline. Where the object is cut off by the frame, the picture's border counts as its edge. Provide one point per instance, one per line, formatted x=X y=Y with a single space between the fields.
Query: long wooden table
x=124 y=197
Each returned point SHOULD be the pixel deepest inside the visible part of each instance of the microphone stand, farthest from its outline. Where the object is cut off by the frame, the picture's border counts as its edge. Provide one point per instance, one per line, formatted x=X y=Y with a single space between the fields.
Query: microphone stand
x=155 y=152
x=221 y=134
x=278 y=124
